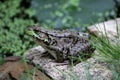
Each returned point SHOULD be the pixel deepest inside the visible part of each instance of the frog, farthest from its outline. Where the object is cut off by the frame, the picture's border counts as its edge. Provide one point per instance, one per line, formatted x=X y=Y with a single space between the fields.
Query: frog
x=61 y=44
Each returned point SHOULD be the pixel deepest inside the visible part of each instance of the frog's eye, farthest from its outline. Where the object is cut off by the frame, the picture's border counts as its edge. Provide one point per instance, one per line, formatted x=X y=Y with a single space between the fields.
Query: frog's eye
x=42 y=35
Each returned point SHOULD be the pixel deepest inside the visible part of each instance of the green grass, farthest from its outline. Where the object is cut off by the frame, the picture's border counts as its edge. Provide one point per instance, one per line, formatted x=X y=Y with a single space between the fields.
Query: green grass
x=109 y=52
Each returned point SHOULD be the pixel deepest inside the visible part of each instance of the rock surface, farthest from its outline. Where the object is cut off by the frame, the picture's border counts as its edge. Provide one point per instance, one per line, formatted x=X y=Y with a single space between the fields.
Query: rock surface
x=92 y=68
x=108 y=27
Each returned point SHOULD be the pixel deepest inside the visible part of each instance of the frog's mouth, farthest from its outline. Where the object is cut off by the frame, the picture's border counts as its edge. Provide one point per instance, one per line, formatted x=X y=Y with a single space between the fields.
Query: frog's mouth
x=33 y=34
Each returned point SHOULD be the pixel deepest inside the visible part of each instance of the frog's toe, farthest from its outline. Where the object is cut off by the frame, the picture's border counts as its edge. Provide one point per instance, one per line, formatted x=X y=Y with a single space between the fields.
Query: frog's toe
x=63 y=63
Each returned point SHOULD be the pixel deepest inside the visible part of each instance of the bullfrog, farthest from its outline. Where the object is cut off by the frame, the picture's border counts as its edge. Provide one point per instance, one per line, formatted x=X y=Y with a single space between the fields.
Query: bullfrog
x=61 y=44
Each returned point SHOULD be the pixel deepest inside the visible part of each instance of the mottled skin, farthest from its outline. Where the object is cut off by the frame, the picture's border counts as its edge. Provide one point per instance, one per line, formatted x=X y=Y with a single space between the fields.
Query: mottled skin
x=61 y=44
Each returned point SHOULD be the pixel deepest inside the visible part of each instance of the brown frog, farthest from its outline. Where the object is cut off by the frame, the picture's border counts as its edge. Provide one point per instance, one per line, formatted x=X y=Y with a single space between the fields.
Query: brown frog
x=61 y=44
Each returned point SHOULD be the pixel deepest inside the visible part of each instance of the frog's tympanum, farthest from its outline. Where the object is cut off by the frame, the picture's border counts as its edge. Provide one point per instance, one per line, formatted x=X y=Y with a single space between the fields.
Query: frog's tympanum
x=61 y=44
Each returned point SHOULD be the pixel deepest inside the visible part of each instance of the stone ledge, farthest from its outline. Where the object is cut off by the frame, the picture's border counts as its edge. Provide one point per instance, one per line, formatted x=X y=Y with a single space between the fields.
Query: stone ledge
x=67 y=72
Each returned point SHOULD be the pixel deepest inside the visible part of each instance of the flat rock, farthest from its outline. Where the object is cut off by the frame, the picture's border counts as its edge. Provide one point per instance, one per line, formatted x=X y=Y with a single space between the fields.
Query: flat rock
x=91 y=69
x=108 y=28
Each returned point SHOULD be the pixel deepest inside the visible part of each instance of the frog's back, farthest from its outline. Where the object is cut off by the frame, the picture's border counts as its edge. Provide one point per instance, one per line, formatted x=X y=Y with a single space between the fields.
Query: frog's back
x=61 y=33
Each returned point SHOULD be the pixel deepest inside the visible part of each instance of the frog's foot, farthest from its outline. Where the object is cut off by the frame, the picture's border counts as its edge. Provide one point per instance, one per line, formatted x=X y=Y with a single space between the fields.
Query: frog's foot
x=67 y=62
x=72 y=63
x=61 y=63
x=47 y=55
x=76 y=62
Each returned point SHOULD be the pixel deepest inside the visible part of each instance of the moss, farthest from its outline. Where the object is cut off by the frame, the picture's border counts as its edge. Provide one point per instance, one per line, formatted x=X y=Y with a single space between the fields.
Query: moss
x=14 y=18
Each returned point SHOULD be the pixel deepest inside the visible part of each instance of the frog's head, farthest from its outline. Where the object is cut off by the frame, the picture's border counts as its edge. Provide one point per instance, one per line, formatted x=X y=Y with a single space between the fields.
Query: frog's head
x=37 y=33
